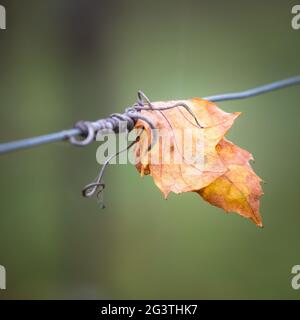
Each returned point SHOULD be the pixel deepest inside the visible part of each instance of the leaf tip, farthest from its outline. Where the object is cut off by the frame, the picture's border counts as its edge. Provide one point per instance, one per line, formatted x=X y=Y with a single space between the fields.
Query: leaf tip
x=260 y=225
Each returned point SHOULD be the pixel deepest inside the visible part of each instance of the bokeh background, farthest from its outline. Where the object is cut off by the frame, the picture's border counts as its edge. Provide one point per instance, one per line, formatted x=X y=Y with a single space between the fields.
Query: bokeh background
x=61 y=61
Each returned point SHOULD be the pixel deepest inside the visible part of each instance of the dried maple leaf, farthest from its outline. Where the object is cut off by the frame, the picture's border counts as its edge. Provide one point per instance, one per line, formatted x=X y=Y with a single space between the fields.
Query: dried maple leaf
x=171 y=125
x=222 y=160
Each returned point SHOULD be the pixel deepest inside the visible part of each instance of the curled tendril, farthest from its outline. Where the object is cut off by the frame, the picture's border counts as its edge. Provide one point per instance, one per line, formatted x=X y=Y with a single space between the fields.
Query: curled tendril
x=97 y=186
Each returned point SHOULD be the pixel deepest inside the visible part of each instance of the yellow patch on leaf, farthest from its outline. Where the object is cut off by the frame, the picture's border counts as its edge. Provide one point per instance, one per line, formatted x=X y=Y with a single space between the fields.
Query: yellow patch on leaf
x=238 y=189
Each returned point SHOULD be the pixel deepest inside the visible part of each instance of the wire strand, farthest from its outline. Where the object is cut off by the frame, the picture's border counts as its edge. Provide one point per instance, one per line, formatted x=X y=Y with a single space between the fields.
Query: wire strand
x=67 y=134
x=255 y=91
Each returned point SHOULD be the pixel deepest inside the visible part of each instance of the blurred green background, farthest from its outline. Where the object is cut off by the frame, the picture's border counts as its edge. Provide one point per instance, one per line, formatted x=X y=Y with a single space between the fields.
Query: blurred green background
x=61 y=61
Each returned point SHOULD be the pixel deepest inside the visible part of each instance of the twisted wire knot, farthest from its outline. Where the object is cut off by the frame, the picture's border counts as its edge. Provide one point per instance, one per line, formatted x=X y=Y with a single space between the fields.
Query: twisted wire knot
x=116 y=122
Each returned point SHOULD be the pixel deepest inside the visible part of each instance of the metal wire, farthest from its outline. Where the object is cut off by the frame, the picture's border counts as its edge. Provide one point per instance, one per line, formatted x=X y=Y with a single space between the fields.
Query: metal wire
x=67 y=134
x=255 y=91
x=36 y=141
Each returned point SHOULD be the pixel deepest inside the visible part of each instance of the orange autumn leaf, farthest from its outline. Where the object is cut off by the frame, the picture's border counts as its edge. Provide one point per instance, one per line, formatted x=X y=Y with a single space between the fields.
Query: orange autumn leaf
x=173 y=124
x=172 y=171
